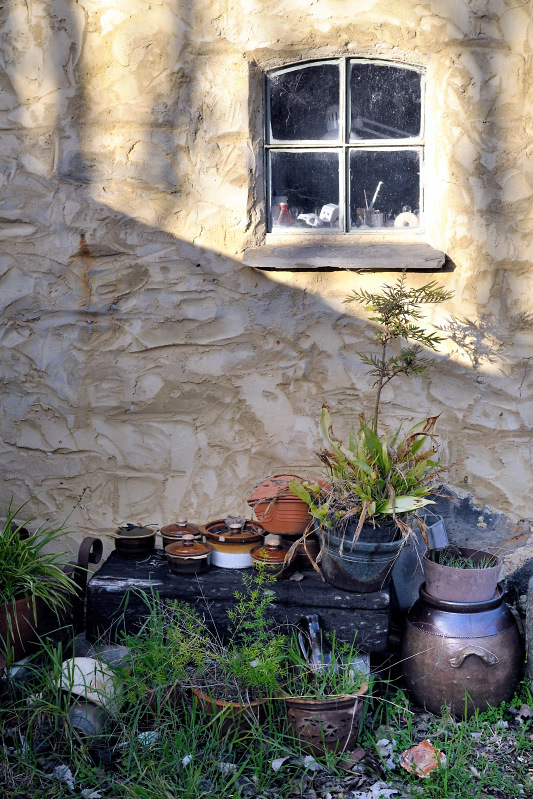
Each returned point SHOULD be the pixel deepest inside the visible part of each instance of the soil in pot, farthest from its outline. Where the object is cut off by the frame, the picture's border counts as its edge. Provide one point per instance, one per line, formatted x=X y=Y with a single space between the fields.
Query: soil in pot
x=457 y=583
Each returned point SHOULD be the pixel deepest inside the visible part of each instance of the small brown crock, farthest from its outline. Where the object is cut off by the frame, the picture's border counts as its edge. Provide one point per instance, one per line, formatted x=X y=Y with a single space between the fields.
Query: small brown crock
x=175 y=532
x=132 y=540
x=188 y=556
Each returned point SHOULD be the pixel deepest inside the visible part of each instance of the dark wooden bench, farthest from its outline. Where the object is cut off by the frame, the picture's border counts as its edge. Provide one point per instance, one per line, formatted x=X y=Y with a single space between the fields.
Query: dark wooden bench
x=119 y=594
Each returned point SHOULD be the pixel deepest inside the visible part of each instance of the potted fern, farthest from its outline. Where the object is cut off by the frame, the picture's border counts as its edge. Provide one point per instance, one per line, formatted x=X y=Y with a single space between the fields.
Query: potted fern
x=375 y=482
x=32 y=579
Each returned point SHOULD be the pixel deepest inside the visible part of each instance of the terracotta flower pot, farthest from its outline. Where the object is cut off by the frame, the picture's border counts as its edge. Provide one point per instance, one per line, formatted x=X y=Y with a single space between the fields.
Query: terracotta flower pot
x=277 y=509
x=453 y=584
x=18 y=624
x=326 y=724
x=236 y=714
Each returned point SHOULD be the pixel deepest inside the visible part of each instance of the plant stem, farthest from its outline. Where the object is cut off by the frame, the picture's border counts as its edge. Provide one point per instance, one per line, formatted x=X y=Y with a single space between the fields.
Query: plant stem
x=382 y=371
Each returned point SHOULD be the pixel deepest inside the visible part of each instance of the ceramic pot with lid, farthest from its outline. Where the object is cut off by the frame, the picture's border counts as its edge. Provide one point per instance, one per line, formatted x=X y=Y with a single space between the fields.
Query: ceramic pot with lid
x=132 y=540
x=188 y=555
x=232 y=543
x=175 y=532
x=272 y=554
x=277 y=508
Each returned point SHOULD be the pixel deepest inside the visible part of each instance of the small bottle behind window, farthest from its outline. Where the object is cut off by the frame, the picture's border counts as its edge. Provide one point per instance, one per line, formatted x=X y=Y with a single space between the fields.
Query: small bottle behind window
x=284 y=219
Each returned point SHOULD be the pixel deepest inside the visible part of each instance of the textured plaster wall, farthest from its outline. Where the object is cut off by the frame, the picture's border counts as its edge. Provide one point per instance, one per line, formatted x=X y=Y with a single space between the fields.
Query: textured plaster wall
x=142 y=365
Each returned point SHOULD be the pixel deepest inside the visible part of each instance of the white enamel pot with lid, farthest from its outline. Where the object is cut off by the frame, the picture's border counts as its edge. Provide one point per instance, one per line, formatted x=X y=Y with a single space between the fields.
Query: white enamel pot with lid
x=233 y=542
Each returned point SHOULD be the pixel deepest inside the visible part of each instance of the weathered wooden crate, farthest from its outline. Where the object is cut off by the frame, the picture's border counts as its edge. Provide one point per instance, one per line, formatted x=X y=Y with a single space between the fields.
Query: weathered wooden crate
x=119 y=595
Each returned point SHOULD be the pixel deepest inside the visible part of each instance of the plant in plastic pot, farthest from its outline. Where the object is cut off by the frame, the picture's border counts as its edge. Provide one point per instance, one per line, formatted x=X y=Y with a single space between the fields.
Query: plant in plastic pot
x=375 y=484
x=32 y=579
x=376 y=481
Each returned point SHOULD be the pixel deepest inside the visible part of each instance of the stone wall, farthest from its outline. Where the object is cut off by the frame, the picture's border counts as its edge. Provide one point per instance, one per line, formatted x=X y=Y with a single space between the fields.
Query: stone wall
x=146 y=372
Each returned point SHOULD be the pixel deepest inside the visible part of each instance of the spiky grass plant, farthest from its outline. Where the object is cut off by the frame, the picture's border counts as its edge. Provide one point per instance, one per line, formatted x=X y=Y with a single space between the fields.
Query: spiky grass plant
x=29 y=571
x=372 y=478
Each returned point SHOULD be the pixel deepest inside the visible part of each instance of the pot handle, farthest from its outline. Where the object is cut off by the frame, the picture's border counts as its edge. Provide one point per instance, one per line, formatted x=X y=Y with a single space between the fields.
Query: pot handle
x=460 y=656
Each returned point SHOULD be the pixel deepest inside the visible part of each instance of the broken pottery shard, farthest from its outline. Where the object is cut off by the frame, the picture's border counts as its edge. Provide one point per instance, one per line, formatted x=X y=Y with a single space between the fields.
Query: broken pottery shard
x=422 y=759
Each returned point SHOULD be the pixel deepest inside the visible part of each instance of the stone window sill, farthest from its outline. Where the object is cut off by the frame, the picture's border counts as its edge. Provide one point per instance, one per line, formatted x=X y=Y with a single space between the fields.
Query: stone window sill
x=304 y=252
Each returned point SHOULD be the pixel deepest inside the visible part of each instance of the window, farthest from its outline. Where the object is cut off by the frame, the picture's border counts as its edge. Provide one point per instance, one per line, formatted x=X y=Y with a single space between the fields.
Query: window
x=344 y=147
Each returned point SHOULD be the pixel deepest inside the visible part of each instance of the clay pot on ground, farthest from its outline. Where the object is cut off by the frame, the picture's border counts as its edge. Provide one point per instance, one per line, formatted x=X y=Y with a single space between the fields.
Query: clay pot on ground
x=462 y=655
x=188 y=556
x=19 y=622
x=326 y=724
x=236 y=714
x=134 y=541
x=175 y=532
x=456 y=584
x=232 y=543
x=277 y=509
x=273 y=555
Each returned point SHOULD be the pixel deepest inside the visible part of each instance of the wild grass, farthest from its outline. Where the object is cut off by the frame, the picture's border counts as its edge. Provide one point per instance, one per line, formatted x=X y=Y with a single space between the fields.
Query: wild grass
x=161 y=745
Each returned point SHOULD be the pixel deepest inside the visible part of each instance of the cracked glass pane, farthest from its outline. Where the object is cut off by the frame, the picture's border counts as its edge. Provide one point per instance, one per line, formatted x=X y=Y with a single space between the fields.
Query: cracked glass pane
x=384 y=189
x=304 y=104
x=385 y=102
x=305 y=189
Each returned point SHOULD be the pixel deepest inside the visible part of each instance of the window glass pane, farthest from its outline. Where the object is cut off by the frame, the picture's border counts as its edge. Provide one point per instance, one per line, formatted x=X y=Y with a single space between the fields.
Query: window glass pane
x=395 y=176
x=385 y=102
x=307 y=184
x=304 y=104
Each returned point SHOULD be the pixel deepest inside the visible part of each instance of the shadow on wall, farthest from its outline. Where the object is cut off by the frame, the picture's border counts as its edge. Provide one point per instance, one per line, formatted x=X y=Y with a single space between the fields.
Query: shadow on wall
x=483 y=340
x=161 y=376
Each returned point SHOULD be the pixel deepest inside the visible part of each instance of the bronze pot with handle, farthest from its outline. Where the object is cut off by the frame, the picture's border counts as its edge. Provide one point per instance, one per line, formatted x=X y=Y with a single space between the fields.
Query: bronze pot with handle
x=463 y=655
